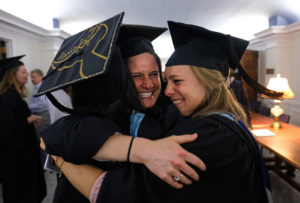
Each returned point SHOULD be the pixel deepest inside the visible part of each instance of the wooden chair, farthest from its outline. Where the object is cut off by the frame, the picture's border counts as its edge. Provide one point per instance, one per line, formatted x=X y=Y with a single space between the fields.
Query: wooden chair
x=285 y=118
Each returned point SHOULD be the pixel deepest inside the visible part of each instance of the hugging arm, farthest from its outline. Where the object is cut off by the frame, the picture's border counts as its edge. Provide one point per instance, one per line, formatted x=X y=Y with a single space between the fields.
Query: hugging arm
x=82 y=176
x=163 y=163
x=163 y=157
x=80 y=139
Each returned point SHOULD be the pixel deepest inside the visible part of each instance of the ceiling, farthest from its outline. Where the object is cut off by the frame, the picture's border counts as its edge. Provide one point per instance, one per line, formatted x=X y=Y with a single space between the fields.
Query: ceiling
x=241 y=18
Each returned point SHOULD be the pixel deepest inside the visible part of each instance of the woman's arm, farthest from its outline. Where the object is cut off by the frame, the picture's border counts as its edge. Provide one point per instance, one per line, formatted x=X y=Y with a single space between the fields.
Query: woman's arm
x=163 y=157
x=35 y=118
x=82 y=177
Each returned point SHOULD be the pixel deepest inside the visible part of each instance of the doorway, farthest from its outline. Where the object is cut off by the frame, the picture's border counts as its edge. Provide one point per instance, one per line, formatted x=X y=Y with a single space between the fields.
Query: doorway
x=2 y=49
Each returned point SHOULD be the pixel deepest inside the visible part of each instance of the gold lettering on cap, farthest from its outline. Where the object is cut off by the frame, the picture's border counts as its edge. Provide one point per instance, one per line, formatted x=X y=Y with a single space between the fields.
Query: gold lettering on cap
x=91 y=33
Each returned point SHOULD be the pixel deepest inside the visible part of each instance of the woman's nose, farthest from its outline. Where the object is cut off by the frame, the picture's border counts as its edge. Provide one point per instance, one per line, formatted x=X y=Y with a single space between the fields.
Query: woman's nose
x=147 y=83
x=169 y=90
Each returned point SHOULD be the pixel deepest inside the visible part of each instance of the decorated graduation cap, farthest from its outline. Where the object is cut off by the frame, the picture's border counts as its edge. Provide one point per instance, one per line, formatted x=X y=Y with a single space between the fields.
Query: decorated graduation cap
x=197 y=46
x=82 y=56
x=9 y=63
x=136 y=39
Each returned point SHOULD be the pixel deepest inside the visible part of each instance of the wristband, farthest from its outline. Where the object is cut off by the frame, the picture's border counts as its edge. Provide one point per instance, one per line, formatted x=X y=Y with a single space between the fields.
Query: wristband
x=129 y=149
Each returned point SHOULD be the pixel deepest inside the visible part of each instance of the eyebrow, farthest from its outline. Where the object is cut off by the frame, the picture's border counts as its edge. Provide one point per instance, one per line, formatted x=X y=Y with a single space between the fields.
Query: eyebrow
x=172 y=76
x=135 y=72
x=155 y=71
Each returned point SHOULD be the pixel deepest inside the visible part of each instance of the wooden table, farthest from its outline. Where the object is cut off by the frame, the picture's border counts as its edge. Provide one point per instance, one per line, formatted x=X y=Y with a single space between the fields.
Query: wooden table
x=285 y=145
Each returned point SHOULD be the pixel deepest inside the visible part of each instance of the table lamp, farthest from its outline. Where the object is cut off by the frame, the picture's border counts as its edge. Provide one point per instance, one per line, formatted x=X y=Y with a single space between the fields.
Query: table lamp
x=281 y=85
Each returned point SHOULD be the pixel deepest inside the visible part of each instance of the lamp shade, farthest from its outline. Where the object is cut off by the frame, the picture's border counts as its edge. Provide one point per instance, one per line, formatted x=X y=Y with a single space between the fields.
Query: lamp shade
x=281 y=85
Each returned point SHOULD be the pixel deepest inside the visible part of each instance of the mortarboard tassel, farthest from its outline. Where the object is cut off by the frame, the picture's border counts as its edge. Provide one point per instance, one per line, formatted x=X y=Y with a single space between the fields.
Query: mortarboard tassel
x=252 y=83
x=58 y=105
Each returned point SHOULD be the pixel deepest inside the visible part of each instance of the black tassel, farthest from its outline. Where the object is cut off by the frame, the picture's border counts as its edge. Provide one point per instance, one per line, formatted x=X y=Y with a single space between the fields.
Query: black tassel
x=258 y=87
x=235 y=63
x=58 y=105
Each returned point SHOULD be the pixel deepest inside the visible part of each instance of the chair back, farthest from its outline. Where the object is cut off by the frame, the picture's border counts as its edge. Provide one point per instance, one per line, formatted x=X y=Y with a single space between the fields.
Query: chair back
x=285 y=118
x=254 y=106
x=264 y=111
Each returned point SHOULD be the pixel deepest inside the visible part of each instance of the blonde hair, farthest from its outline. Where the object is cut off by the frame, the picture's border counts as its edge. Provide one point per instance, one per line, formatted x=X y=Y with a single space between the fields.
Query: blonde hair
x=218 y=97
x=9 y=81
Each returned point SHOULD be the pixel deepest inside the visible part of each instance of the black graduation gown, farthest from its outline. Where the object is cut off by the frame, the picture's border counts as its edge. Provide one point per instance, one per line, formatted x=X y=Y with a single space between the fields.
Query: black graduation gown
x=232 y=175
x=76 y=138
x=21 y=168
x=151 y=126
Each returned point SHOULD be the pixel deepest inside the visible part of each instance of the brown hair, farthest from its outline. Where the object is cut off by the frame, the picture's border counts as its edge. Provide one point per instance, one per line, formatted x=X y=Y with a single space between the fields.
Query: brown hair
x=218 y=97
x=9 y=81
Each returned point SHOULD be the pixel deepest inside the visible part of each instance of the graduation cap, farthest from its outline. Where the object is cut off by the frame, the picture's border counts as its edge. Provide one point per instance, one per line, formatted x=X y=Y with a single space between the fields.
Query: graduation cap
x=136 y=39
x=197 y=46
x=9 y=63
x=82 y=56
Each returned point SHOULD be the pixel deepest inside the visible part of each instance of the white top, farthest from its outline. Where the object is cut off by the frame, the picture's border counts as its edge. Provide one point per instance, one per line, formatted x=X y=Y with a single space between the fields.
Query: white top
x=64 y=99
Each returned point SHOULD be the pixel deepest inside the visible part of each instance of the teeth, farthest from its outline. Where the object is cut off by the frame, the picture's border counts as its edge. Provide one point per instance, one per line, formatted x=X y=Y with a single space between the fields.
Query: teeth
x=146 y=94
x=177 y=101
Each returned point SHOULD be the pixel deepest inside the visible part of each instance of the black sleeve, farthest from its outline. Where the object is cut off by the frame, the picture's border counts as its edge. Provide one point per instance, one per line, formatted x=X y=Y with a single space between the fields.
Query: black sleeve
x=77 y=138
x=216 y=144
x=8 y=103
x=134 y=183
x=13 y=109
x=13 y=117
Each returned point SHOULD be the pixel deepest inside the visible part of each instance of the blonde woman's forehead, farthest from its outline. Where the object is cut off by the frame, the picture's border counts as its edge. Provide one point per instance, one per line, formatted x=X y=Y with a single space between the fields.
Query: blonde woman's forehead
x=177 y=70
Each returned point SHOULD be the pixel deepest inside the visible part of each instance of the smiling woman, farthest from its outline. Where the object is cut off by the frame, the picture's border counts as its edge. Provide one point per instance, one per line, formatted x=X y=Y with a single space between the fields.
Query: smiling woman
x=181 y=88
x=196 y=73
x=146 y=76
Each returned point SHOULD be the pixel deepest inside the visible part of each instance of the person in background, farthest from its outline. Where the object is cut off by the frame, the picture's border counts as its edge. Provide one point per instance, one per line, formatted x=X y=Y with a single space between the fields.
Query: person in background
x=39 y=105
x=236 y=86
x=21 y=170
